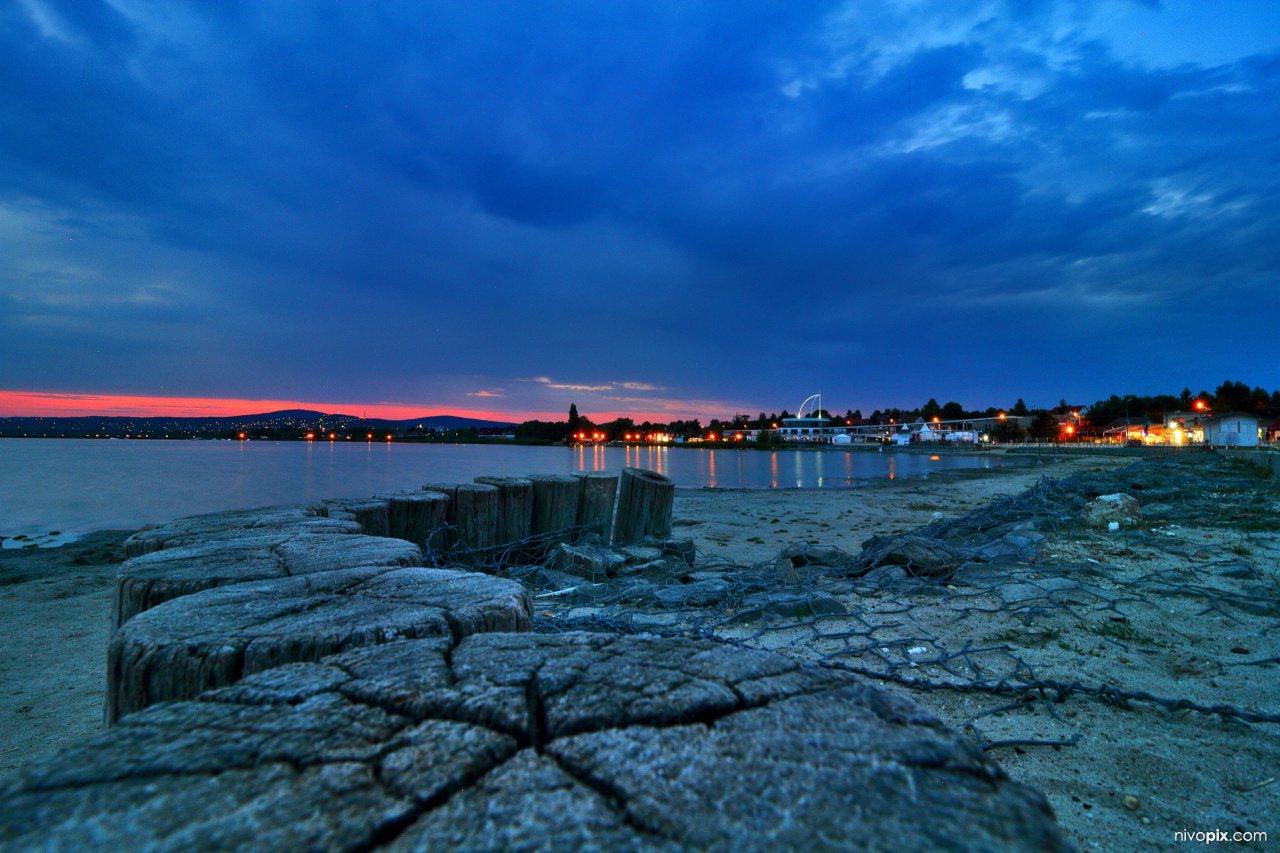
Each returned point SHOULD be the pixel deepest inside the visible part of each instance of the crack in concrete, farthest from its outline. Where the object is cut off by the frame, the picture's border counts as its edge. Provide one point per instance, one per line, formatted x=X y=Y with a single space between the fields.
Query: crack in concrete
x=613 y=797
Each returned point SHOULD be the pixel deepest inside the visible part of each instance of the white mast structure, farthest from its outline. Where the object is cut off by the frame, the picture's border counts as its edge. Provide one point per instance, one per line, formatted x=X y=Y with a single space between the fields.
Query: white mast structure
x=818 y=408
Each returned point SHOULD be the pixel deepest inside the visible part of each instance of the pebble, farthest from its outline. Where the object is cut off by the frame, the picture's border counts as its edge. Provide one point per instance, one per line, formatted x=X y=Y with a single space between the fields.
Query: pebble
x=1131 y=802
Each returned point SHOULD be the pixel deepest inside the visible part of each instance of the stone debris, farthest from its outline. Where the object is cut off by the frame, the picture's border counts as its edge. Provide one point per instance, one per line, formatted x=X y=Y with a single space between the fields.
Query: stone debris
x=793 y=606
x=571 y=742
x=805 y=554
x=591 y=562
x=706 y=593
x=1120 y=509
x=921 y=557
x=635 y=554
x=682 y=549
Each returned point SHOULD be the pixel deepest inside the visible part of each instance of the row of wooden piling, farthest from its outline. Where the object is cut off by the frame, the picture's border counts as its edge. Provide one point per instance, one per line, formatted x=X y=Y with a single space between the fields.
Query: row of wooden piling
x=496 y=511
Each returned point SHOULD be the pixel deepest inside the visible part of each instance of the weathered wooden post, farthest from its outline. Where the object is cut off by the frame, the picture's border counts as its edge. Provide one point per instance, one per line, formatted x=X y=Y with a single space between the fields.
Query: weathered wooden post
x=595 y=505
x=372 y=516
x=515 y=507
x=476 y=510
x=416 y=515
x=644 y=507
x=448 y=537
x=555 y=502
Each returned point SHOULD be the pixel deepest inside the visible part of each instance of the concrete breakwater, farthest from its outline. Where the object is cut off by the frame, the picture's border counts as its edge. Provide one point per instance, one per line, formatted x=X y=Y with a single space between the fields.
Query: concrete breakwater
x=341 y=676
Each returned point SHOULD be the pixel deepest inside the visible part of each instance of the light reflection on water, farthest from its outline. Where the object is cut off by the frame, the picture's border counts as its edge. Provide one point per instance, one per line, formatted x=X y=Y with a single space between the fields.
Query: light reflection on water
x=81 y=485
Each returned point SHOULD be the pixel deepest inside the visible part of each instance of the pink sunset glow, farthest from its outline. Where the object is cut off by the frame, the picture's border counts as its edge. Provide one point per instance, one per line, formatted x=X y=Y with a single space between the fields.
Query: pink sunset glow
x=52 y=404
x=49 y=404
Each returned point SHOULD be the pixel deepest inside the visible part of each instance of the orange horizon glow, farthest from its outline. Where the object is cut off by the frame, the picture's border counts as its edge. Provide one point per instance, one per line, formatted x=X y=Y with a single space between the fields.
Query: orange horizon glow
x=50 y=404
x=38 y=404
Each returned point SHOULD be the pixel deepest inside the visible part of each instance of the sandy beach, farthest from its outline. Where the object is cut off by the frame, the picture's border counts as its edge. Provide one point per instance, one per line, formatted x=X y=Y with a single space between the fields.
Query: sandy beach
x=1121 y=778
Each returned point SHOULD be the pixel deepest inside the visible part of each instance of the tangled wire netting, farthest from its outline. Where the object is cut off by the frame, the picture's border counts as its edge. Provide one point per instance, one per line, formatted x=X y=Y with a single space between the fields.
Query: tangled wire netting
x=968 y=604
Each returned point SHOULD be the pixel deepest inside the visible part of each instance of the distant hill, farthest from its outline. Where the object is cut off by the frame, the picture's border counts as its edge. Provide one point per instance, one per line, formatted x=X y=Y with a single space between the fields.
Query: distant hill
x=91 y=425
x=449 y=422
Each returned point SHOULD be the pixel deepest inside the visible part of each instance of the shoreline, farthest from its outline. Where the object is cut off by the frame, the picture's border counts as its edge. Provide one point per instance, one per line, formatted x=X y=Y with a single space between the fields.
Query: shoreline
x=58 y=610
x=1100 y=792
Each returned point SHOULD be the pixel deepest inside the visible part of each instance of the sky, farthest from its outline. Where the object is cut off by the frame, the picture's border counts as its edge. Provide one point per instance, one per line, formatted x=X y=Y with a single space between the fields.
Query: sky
x=667 y=210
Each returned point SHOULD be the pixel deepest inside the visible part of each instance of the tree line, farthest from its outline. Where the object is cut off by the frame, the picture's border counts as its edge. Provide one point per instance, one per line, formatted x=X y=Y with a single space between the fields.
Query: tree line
x=1230 y=396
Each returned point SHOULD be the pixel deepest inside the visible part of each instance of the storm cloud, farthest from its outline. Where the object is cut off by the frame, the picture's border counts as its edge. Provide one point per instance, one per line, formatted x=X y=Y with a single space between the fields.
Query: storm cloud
x=653 y=208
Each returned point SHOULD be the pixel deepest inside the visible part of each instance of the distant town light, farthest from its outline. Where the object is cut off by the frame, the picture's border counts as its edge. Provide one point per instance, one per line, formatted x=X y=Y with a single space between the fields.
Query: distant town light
x=310 y=436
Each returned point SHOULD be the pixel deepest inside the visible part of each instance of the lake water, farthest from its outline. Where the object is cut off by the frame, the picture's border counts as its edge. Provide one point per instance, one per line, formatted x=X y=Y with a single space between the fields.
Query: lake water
x=75 y=486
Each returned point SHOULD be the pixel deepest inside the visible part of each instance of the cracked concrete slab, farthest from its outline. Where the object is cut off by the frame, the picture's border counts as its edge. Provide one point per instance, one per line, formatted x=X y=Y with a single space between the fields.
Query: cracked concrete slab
x=532 y=742
x=213 y=638
x=144 y=582
x=215 y=526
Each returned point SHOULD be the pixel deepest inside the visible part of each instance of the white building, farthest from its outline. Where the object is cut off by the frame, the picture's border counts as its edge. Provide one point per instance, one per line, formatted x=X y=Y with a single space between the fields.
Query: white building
x=1235 y=429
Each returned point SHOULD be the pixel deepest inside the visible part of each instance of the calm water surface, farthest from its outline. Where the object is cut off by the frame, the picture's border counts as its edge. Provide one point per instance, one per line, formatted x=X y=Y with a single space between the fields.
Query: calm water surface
x=74 y=486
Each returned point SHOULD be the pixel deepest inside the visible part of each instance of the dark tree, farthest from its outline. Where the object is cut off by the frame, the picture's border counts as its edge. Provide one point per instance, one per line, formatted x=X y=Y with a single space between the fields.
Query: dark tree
x=1020 y=408
x=1044 y=427
x=573 y=419
x=952 y=411
x=930 y=409
x=1006 y=431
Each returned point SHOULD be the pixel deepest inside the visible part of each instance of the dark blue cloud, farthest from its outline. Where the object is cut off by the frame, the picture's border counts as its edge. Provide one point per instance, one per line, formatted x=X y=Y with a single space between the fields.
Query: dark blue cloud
x=734 y=203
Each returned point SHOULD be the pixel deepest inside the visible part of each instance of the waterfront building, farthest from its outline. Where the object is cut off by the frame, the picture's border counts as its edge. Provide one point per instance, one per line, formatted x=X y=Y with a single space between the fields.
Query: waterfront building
x=1234 y=429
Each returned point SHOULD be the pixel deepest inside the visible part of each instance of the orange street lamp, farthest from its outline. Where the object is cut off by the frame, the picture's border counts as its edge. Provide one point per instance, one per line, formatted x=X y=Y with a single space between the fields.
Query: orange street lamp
x=1002 y=416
